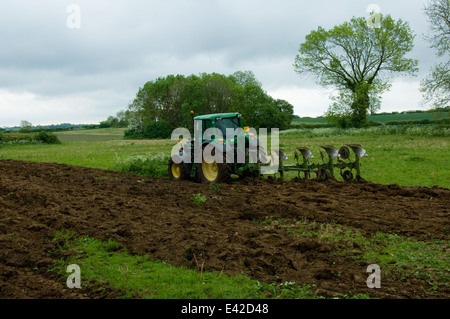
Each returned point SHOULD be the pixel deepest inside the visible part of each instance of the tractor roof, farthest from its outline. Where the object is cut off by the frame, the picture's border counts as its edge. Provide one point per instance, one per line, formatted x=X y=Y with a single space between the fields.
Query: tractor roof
x=213 y=116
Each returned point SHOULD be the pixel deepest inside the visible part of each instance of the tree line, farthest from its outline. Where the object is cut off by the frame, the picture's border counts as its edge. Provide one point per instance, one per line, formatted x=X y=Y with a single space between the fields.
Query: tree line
x=165 y=103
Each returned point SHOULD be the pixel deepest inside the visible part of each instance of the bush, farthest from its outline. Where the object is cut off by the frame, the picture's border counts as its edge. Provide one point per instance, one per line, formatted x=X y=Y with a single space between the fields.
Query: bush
x=24 y=138
x=130 y=135
x=47 y=138
x=153 y=130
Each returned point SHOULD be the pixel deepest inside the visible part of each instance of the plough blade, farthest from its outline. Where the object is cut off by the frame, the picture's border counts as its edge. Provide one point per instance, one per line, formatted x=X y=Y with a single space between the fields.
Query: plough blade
x=280 y=154
x=306 y=153
x=358 y=150
x=331 y=151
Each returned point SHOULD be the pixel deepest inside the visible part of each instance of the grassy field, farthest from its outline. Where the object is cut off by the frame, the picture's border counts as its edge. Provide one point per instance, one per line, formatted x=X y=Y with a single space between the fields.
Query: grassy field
x=383 y=118
x=102 y=134
x=99 y=148
x=414 y=156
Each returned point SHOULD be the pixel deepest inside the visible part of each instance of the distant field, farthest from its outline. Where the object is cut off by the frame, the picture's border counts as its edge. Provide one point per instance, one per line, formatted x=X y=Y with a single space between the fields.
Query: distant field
x=102 y=134
x=383 y=117
x=406 y=117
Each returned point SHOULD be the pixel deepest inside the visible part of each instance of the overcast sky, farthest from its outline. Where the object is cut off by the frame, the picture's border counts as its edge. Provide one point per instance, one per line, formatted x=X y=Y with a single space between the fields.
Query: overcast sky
x=54 y=70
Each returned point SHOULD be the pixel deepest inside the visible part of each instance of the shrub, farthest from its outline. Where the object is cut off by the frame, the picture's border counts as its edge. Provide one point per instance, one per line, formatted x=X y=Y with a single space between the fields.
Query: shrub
x=152 y=130
x=27 y=138
x=158 y=129
x=47 y=138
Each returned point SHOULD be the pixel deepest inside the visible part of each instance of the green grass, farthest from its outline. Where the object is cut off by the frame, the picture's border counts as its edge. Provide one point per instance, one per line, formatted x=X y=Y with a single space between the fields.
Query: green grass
x=104 y=265
x=95 y=153
x=97 y=131
x=408 y=156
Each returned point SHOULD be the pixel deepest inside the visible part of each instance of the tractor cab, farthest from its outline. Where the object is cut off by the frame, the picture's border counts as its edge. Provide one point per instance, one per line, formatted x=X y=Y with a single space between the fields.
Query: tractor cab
x=219 y=123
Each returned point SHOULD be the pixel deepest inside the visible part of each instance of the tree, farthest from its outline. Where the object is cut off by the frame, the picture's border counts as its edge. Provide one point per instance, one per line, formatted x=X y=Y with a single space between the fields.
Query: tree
x=358 y=60
x=25 y=127
x=25 y=124
x=436 y=86
x=170 y=99
x=122 y=118
x=245 y=77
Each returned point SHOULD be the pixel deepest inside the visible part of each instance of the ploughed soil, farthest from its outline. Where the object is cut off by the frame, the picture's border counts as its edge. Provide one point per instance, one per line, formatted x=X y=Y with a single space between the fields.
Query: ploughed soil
x=157 y=217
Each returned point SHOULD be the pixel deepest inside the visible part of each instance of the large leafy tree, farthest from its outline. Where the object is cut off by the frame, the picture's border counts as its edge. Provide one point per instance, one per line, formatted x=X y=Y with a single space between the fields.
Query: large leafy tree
x=436 y=87
x=358 y=60
x=170 y=99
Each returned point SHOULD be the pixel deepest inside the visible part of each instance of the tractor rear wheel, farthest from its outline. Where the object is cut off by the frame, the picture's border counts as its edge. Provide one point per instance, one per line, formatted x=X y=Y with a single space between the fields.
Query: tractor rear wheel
x=176 y=171
x=214 y=172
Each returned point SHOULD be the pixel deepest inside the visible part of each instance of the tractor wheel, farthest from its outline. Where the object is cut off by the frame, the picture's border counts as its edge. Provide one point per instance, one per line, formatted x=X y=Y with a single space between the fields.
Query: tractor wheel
x=176 y=171
x=347 y=176
x=214 y=172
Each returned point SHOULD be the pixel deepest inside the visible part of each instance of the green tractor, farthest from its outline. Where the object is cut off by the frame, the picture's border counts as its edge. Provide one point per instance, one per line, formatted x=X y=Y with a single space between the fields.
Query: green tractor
x=223 y=153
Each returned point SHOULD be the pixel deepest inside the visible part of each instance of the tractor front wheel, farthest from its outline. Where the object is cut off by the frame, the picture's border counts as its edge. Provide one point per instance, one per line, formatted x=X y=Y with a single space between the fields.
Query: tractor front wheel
x=176 y=171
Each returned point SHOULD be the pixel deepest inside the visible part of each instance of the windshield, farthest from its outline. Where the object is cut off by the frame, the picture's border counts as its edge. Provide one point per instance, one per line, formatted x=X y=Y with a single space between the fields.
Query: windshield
x=231 y=122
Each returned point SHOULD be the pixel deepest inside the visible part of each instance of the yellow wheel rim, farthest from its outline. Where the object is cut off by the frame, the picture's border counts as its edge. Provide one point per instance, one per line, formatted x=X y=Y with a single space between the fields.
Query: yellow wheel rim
x=176 y=170
x=210 y=171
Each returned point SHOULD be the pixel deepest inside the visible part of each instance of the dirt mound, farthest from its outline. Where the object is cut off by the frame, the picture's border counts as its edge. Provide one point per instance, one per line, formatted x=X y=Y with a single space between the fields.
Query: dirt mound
x=157 y=217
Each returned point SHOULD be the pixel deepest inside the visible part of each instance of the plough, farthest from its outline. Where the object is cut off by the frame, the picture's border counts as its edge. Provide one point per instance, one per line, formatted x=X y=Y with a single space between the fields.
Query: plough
x=334 y=160
x=219 y=140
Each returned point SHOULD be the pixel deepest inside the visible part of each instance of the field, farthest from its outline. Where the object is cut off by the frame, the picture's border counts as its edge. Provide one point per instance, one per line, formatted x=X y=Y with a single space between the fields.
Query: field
x=148 y=237
x=384 y=118
x=416 y=156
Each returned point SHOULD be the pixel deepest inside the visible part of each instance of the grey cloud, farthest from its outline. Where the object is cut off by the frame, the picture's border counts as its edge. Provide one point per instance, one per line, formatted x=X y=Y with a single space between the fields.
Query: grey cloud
x=123 y=44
